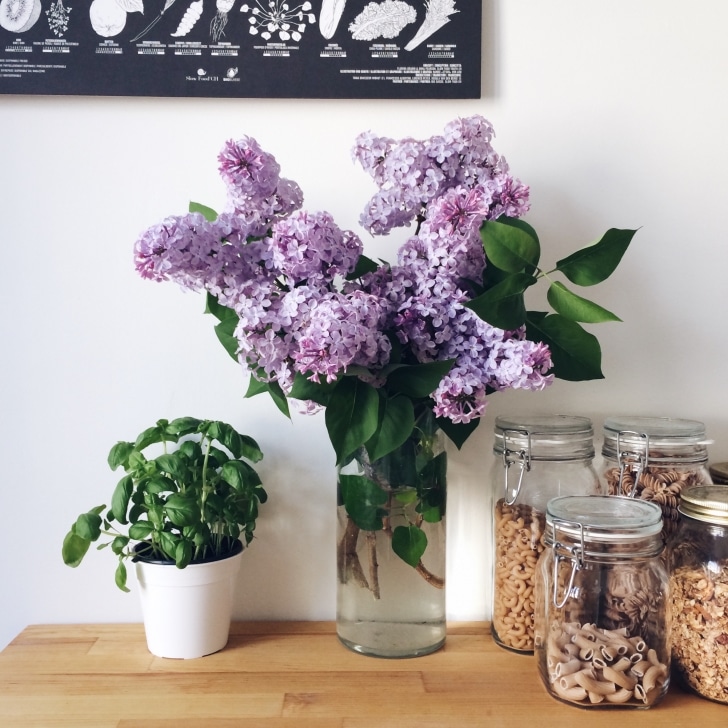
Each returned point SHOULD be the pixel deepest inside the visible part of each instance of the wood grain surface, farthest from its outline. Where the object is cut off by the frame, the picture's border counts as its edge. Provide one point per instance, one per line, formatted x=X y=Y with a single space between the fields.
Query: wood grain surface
x=293 y=675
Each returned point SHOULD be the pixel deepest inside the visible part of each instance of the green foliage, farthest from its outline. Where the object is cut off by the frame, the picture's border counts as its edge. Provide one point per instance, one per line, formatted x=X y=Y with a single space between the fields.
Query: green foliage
x=186 y=504
x=411 y=477
x=512 y=250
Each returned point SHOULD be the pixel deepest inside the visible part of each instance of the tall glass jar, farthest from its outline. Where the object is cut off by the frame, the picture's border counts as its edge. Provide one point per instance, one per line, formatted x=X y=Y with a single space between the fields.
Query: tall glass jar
x=654 y=459
x=698 y=563
x=602 y=598
x=537 y=458
x=391 y=548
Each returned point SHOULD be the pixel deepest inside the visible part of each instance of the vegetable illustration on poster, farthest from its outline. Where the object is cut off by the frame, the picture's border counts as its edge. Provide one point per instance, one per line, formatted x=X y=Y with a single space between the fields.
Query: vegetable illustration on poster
x=242 y=48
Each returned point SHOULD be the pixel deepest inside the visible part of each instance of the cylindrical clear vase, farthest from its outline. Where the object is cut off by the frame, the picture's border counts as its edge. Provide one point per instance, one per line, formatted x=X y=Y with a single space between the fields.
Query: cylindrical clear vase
x=391 y=549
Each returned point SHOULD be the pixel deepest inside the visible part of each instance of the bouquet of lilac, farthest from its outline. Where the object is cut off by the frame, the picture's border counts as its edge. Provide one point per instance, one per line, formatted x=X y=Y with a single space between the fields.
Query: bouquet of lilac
x=380 y=345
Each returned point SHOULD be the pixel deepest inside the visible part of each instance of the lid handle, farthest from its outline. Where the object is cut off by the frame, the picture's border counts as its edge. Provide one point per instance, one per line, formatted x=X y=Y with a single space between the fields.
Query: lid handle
x=521 y=458
x=574 y=554
x=632 y=460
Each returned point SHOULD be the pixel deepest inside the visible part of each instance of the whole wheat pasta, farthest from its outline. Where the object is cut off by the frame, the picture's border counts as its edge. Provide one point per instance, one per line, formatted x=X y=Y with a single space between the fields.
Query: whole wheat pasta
x=619 y=674
x=575 y=694
x=621 y=696
x=592 y=685
x=652 y=676
x=568 y=668
x=658 y=485
x=518 y=544
x=620 y=678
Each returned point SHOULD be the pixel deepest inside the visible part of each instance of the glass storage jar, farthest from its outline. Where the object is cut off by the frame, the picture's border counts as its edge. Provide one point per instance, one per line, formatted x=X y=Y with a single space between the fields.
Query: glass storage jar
x=602 y=628
x=698 y=564
x=537 y=458
x=654 y=459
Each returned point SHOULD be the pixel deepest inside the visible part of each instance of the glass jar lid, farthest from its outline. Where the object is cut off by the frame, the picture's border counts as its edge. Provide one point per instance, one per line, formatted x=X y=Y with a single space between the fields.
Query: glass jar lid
x=707 y=503
x=545 y=437
x=658 y=438
x=601 y=519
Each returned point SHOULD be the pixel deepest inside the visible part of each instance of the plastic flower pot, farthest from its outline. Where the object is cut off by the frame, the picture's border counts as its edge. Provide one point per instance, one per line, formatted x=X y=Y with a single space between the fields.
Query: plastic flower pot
x=187 y=612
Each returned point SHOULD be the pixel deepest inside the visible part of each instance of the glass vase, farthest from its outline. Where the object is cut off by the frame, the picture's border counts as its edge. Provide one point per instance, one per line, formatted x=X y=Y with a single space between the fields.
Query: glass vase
x=391 y=549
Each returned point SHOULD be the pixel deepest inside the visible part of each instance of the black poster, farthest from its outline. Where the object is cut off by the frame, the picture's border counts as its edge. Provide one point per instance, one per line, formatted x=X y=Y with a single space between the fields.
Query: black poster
x=397 y=49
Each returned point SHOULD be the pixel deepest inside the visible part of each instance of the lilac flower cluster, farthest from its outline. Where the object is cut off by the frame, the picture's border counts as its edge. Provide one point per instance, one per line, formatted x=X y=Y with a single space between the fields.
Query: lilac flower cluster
x=412 y=174
x=284 y=270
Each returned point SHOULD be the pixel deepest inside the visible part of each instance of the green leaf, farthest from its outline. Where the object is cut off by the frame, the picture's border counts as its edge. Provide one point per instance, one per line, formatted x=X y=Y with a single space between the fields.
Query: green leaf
x=120 y=576
x=418 y=380
x=255 y=387
x=510 y=244
x=168 y=542
x=74 y=549
x=119 y=454
x=457 y=432
x=182 y=554
x=595 y=263
x=181 y=510
x=119 y=544
x=240 y=475
x=140 y=530
x=152 y=435
x=363 y=266
x=575 y=307
x=239 y=445
x=396 y=422
x=304 y=388
x=352 y=416
x=183 y=426
x=362 y=499
x=225 y=329
x=120 y=498
x=88 y=526
x=576 y=354
x=279 y=398
x=208 y=212
x=173 y=464
x=503 y=305
x=409 y=543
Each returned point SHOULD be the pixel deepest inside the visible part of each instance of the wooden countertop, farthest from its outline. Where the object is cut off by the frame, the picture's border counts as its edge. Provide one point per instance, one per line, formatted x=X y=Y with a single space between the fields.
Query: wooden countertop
x=293 y=675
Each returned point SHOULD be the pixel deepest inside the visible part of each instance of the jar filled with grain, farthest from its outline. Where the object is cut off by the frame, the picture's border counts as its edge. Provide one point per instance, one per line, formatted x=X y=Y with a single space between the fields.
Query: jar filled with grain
x=655 y=459
x=602 y=631
x=698 y=564
x=537 y=458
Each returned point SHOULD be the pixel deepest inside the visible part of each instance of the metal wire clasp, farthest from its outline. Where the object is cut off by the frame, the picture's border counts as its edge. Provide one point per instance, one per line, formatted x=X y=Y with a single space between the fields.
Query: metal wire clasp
x=631 y=460
x=575 y=554
x=521 y=458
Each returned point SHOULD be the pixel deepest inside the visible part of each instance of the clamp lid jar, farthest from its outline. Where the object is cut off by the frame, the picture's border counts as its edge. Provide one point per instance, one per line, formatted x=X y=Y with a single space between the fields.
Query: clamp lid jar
x=698 y=562
x=655 y=459
x=537 y=457
x=601 y=630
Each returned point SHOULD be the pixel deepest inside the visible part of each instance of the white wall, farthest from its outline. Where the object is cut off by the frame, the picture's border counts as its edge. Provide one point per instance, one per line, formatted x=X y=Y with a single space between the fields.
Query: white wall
x=615 y=114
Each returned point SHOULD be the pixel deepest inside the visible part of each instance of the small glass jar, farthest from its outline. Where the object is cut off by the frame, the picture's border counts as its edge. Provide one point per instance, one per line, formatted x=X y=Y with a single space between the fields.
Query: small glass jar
x=698 y=563
x=602 y=628
x=537 y=458
x=655 y=459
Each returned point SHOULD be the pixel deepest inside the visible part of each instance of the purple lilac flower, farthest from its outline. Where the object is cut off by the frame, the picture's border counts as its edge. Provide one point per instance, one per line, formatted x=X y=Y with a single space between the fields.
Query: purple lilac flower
x=307 y=247
x=412 y=174
x=284 y=270
x=247 y=170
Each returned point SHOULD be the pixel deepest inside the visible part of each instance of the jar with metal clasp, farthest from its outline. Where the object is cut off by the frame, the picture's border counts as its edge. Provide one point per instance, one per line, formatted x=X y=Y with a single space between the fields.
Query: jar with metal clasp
x=654 y=459
x=698 y=564
x=602 y=630
x=537 y=458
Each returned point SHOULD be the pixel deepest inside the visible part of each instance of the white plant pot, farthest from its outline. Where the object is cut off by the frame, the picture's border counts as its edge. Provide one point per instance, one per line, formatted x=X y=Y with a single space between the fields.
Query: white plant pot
x=187 y=612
